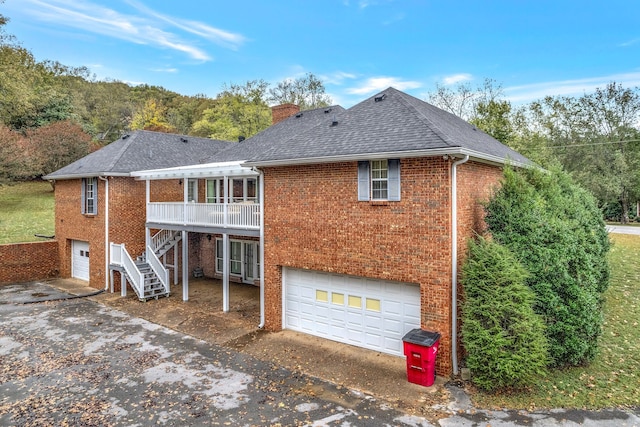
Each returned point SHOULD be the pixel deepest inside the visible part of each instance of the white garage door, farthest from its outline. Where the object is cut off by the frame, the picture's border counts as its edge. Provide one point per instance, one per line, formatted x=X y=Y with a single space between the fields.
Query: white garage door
x=368 y=313
x=80 y=260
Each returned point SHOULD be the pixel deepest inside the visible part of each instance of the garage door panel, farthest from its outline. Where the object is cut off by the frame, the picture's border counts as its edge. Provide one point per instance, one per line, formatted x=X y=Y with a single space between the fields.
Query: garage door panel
x=365 y=312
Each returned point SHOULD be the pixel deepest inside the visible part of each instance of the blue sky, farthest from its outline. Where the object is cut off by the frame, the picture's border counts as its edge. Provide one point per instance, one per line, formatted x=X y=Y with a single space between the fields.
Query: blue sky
x=357 y=48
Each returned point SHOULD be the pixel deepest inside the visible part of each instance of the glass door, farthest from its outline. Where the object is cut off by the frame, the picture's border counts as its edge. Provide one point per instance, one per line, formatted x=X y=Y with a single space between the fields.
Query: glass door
x=249 y=262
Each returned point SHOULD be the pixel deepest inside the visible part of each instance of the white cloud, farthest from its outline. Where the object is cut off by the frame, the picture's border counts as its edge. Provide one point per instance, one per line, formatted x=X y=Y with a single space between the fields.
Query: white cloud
x=577 y=87
x=629 y=42
x=165 y=70
x=215 y=35
x=376 y=84
x=457 y=78
x=337 y=78
x=149 y=28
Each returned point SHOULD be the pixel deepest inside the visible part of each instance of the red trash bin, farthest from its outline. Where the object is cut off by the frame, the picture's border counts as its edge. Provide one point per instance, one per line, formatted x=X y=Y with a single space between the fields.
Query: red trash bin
x=421 y=348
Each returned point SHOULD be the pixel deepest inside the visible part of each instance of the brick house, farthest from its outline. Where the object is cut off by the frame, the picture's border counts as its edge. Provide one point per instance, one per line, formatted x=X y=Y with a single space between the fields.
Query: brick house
x=353 y=222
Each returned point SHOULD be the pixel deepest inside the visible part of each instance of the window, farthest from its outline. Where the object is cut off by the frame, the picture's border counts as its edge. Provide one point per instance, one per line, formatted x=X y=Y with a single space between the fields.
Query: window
x=192 y=190
x=236 y=257
x=219 y=256
x=379 y=180
x=243 y=190
x=214 y=190
x=240 y=190
x=90 y=196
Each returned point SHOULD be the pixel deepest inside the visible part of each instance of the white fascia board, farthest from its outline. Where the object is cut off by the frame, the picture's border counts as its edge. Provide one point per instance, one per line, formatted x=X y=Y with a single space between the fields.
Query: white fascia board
x=452 y=151
x=86 y=175
x=196 y=171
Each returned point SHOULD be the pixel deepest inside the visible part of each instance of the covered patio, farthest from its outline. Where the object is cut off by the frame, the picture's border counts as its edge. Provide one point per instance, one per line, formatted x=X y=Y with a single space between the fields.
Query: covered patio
x=233 y=200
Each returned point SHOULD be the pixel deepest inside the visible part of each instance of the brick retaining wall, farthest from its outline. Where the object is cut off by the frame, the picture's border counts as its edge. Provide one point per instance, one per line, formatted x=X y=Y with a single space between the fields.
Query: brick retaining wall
x=24 y=262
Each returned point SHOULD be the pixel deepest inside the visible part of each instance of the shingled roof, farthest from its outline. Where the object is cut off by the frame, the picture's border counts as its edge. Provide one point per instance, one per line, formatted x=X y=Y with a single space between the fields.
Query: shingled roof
x=280 y=132
x=392 y=124
x=142 y=150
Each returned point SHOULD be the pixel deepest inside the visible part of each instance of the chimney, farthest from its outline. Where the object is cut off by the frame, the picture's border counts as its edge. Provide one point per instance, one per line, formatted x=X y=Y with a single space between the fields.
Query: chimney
x=284 y=111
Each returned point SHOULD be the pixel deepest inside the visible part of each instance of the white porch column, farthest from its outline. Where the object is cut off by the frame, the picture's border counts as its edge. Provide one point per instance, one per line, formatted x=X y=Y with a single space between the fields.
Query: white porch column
x=175 y=265
x=225 y=200
x=147 y=200
x=185 y=266
x=225 y=272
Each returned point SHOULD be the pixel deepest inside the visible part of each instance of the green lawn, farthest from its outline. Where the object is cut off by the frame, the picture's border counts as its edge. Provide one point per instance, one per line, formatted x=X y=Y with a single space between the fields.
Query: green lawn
x=26 y=209
x=612 y=379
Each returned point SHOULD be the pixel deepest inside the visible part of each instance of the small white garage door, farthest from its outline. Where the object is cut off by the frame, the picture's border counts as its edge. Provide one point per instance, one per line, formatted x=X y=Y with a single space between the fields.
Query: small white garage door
x=368 y=313
x=80 y=260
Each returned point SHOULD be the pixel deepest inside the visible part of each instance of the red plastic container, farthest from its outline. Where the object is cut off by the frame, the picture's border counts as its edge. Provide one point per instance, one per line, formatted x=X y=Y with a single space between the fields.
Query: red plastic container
x=420 y=349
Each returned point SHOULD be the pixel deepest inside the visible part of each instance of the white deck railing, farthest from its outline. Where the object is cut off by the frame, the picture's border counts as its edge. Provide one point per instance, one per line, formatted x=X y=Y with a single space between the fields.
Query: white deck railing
x=232 y=215
x=119 y=256
x=158 y=268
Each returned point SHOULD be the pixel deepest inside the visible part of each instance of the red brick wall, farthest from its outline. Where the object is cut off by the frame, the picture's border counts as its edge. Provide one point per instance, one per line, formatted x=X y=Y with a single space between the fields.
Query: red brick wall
x=127 y=216
x=23 y=262
x=314 y=221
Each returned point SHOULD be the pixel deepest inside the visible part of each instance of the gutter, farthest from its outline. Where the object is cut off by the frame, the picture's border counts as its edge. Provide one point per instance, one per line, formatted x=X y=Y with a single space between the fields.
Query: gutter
x=452 y=151
x=106 y=231
x=454 y=262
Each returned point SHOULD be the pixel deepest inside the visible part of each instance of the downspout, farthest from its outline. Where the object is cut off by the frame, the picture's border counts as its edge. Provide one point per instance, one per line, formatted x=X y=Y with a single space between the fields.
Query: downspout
x=106 y=232
x=454 y=262
x=261 y=197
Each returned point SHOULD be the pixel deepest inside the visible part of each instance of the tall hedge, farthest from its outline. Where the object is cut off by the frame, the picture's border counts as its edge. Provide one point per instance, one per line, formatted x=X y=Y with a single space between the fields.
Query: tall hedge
x=555 y=229
x=504 y=338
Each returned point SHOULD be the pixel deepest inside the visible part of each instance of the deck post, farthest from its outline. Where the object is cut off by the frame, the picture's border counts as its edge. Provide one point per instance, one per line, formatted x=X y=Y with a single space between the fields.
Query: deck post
x=225 y=272
x=185 y=266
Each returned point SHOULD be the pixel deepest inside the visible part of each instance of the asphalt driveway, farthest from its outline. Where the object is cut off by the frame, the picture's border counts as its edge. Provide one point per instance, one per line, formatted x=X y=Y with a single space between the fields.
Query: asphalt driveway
x=77 y=362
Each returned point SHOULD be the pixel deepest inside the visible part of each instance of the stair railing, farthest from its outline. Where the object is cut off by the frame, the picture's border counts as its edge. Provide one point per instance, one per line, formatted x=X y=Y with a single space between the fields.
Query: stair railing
x=157 y=267
x=119 y=256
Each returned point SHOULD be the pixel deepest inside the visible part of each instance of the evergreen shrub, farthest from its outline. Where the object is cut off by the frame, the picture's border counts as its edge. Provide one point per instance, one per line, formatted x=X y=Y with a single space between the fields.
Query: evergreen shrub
x=504 y=338
x=555 y=229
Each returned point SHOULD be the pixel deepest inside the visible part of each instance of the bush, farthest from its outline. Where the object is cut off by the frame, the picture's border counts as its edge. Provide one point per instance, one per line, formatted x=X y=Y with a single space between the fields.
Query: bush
x=504 y=338
x=555 y=229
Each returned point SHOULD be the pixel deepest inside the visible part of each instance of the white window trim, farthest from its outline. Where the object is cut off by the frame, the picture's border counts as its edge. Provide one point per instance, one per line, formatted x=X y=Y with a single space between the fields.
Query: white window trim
x=89 y=193
x=384 y=167
x=192 y=190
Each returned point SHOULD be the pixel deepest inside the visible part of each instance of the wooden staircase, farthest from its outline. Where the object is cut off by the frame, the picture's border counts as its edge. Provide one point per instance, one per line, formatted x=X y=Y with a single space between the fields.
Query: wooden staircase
x=153 y=287
x=147 y=275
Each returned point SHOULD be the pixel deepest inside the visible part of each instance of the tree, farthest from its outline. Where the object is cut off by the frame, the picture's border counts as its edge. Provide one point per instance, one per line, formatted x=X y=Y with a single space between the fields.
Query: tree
x=463 y=100
x=480 y=106
x=494 y=118
x=555 y=229
x=56 y=145
x=307 y=92
x=239 y=110
x=152 y=116
x=503 y=337
x=596 y=137
x=12 y=159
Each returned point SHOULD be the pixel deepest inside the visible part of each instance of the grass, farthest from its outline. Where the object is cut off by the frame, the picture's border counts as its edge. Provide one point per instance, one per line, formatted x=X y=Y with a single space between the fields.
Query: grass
x=612 y=379
x=26 y=209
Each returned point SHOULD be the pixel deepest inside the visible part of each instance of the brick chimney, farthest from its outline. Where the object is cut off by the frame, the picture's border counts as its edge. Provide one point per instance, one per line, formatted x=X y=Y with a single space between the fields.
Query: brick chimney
x=284 y=111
